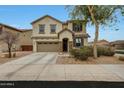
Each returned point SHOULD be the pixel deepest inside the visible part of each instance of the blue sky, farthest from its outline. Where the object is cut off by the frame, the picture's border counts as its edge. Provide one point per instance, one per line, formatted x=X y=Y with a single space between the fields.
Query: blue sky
x=22 y=16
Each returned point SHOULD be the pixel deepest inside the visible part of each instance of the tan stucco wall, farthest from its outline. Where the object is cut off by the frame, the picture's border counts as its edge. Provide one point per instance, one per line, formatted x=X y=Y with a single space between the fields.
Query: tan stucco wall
x=47 y=21
x=3 y=46
x=11 y=30
x=34 y=45
x=64 y=26
x=66 y=34
x=85 y=41
x=70 y=25
x=47 y=40
x=25 y=38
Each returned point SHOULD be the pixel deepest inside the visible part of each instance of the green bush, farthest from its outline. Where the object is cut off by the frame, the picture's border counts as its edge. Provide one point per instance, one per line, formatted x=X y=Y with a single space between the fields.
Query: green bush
x=87 y=51
x=74 y=52
x=105 y=51
x=81 y=54
x=119 y=51
x=100 y=51
x=109 y=52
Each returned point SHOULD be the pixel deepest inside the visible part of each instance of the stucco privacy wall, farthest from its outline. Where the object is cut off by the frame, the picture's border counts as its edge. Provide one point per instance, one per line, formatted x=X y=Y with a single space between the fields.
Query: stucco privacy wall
x=47 y=21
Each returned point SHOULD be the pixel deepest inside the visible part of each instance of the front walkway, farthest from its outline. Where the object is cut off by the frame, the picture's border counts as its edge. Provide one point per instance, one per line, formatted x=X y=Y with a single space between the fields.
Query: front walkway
x=42 y=66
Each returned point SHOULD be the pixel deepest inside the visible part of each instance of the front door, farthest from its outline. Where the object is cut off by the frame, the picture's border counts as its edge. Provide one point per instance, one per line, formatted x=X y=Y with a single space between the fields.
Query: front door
x=65 y=45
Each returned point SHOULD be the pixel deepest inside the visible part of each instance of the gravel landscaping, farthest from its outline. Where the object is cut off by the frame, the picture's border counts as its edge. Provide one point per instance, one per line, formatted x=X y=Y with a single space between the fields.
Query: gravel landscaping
x=18 y=55
x=99 y=60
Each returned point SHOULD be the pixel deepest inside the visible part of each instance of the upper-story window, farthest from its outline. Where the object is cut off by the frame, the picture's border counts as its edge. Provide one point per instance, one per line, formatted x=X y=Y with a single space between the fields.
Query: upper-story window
x=78 y=41
x=53 y=28
x=77 y=27
x=41 y=28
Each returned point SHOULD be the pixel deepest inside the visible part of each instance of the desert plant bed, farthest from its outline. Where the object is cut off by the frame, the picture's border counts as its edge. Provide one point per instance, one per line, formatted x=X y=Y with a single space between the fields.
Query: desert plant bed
x=18 y=55
x=90 y=60
x=119 y=51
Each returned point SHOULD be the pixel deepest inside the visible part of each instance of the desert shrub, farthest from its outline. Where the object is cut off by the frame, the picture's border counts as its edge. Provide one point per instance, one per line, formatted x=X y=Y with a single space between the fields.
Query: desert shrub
x=74 y=52
x=105 y=51
x=84 y=53
x=100 y=51
x=89 y=50
x=121 y=58
x=108 y=52
x=119 y=51
x=81 y=54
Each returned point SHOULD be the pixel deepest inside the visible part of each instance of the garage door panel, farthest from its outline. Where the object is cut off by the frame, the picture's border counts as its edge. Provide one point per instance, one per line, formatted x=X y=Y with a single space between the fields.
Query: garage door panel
x=27 y=47
x=47 y=47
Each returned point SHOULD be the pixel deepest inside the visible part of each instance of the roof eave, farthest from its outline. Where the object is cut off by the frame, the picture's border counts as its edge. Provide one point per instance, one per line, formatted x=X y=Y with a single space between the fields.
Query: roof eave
x=10 y=27
x=44 y=17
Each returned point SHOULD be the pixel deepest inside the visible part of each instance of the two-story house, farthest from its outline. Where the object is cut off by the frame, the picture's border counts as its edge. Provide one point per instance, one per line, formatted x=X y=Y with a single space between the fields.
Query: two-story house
x=51 y=35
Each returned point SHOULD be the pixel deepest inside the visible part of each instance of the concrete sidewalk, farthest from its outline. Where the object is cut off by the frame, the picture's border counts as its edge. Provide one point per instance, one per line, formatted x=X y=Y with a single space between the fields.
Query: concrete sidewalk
x=83 y=73
x=42 y=66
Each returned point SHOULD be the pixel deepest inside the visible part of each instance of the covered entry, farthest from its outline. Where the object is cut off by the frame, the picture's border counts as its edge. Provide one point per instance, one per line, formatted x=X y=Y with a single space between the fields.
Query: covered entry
x=65 y=45
x=47 y=46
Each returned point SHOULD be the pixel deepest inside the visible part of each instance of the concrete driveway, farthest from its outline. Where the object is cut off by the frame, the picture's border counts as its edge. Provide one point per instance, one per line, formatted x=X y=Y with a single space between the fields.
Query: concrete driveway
x=42 y=66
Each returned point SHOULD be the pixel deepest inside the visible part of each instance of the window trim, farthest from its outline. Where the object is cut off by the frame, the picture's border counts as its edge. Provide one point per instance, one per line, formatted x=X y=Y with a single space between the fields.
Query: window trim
x=41 y=32
x=79 y=27
x=80 y=41
x=52 y=29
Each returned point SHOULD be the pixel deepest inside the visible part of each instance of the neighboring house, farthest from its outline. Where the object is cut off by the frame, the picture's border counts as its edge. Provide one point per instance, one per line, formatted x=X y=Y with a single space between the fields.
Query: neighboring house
x=7 y=28
x=52 y=35
x=26 y=41
x=118 y=44
x=23 y=39
x=101 y=43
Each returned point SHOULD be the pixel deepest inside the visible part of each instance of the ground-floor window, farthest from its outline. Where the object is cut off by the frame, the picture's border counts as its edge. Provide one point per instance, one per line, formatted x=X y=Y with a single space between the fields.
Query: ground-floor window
x=78 y=41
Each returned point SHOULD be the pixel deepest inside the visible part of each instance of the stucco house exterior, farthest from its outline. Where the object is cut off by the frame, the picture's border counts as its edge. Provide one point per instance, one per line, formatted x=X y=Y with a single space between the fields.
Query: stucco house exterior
x=48 y=34
x=52 y=35
x=118 y=44
x=24 y=38
x=100 y=43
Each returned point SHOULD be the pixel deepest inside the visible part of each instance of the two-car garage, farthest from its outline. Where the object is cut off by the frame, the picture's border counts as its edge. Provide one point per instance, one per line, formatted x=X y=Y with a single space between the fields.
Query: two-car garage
x=47 y=46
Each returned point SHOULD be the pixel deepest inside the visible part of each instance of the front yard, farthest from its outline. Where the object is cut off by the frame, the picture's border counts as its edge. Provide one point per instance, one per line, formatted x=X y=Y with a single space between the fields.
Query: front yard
x=84 y=55
x=18 y=55
x=99 y=60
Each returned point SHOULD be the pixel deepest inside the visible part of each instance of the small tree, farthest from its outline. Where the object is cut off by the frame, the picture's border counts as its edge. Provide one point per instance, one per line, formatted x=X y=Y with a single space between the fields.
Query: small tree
x=97 y=15
x=10 y=39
